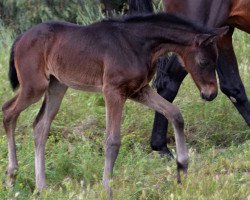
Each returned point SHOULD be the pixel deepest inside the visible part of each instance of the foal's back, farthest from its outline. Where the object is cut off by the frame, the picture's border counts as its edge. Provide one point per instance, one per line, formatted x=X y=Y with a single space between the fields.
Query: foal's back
x=75 y=55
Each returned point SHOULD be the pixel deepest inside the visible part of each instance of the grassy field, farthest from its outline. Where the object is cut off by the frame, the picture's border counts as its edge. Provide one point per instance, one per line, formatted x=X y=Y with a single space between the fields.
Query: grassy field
x=217 y=136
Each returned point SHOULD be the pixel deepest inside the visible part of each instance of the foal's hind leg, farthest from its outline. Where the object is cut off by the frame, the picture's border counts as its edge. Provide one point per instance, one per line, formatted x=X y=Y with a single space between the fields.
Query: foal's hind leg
x=11 y=111
x=49 y=109
x=150 y=98
x=114 y=105
x=10 y=127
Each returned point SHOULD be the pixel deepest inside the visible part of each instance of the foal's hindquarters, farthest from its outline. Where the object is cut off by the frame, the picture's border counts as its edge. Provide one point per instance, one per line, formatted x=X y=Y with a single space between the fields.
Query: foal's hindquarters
x=27 y=69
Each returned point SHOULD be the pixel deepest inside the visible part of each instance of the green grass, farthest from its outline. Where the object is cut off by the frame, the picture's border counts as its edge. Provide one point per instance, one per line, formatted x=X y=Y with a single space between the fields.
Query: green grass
x=217 y=136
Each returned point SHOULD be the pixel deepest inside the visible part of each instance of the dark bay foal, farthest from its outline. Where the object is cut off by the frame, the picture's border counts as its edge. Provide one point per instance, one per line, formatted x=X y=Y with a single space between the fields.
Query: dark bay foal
x=114 y=57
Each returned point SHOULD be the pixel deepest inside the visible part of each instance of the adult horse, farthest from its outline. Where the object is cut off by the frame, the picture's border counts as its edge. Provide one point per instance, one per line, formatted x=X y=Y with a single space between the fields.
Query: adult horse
x=210 y=13
x=135 y=7
x=52 y=56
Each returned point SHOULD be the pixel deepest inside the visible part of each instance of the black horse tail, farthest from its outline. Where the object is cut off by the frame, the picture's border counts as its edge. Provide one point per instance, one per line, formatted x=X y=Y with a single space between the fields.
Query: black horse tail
x=12 y=69
x=140 y=6
x=167 y=66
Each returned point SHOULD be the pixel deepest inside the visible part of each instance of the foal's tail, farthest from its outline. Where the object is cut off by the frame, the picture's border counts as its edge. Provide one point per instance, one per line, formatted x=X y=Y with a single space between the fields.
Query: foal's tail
x=140 y=6
x=12 y=69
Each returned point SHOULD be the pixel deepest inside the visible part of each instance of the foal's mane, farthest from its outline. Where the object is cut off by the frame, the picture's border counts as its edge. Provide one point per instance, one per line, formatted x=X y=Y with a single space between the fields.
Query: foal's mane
x=160 y=18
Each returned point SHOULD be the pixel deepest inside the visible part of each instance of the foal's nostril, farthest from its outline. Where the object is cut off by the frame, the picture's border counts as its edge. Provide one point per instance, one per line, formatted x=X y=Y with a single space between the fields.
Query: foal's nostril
x=213 y=96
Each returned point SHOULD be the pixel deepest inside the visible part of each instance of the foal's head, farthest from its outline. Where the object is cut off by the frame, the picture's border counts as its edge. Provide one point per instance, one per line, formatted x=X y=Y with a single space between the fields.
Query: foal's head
x=200 y=60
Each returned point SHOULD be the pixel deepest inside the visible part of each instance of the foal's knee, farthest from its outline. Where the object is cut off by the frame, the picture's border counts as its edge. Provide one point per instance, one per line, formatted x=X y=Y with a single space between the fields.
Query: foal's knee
x=113 y=143
x=176 y=118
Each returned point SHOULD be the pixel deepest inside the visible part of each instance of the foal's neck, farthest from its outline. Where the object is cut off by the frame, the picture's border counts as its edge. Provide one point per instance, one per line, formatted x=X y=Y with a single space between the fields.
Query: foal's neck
x=163 y=27
x=162 y=37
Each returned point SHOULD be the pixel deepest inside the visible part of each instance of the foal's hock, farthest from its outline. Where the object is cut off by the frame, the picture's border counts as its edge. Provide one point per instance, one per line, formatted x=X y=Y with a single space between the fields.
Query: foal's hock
x=114 y=57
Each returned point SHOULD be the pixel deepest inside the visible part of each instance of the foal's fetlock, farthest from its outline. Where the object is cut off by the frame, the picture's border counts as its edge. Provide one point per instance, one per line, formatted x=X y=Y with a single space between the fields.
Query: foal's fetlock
x=41 y=186
x=12 y=171
x=38 y=193
x=108 y=189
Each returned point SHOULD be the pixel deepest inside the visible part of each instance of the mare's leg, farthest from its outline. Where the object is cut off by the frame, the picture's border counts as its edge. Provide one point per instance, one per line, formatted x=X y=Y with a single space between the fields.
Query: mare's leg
x=27 y=95
x=170 y=75
x=52 y=101
x=230 y=81
x=150 y=98
x=114 y=105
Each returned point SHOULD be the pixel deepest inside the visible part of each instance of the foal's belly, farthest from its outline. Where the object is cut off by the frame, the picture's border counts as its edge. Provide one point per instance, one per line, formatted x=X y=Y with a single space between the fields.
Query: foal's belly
x=84 y=74
x=80 y=84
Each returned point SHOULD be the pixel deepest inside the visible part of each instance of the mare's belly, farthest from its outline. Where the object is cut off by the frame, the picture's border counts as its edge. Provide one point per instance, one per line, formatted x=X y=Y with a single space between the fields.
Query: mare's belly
x=240 y=15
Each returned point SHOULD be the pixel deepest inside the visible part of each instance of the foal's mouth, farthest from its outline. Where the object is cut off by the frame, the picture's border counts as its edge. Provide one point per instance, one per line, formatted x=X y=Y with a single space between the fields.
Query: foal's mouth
x=209 y=96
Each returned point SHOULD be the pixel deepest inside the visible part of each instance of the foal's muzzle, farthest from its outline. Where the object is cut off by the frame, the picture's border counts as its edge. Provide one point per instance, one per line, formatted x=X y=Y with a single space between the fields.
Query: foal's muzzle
x=208 y=96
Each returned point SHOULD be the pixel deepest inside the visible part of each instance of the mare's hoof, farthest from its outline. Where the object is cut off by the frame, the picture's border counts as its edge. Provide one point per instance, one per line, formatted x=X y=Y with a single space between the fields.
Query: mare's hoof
x=165 y=152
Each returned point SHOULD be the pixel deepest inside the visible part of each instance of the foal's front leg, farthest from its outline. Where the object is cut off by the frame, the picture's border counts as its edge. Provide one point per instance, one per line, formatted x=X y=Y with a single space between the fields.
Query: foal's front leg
x=170 y=75
x=114 y=105
x=150 y=98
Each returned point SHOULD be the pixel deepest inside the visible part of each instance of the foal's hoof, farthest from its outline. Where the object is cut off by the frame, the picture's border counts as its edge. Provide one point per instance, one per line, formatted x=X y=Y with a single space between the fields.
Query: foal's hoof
x=181 y=168
x=10 y=177
x=165 y=152
x=9 y=182
x=106 y=184
x=39 y=192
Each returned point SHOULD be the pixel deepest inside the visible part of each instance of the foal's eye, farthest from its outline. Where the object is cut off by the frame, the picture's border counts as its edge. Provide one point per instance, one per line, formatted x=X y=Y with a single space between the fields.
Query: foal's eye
x=204 y=62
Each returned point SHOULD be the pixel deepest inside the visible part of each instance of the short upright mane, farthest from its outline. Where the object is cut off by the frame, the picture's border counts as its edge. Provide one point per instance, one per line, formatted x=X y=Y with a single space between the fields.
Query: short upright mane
x=158 y=18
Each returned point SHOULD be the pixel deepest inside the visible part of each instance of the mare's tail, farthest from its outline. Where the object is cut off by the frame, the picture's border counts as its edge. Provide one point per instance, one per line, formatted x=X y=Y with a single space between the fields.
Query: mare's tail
x=140 y=6
x=12 y=69
x=161 y=79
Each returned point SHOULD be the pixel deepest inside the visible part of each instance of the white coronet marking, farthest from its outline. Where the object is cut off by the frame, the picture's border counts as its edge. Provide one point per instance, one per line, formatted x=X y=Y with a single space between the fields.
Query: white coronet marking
x=233 y=99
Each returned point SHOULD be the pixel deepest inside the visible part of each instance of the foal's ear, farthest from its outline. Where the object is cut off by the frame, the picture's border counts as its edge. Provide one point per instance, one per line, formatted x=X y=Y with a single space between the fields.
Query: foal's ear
x=206 y=39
